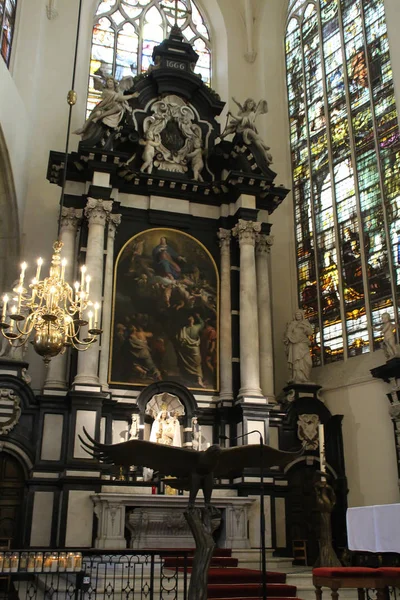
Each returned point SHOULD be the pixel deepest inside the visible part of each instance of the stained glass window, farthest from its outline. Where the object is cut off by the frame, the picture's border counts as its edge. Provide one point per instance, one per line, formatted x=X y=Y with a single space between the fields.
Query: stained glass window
x=7 y=21
x=345 y=148
x=126 y=31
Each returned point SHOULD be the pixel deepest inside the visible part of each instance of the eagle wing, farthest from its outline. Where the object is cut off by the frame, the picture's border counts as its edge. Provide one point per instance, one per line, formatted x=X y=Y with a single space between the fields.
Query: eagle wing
x=168 y=460
x=232 y=461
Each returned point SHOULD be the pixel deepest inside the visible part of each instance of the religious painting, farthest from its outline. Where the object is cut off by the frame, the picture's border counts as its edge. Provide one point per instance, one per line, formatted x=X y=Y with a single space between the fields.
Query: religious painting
x=165 y=321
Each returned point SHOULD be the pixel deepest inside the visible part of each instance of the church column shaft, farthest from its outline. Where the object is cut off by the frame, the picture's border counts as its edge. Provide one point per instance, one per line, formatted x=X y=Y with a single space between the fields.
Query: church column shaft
x=70 y=219
x=113 y=223
x=263 y=246
x=249 y=345
x=225 y=335
x=96 y=212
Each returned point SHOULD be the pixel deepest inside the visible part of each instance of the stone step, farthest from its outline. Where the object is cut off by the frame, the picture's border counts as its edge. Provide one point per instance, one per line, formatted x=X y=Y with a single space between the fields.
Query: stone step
x=250 y=559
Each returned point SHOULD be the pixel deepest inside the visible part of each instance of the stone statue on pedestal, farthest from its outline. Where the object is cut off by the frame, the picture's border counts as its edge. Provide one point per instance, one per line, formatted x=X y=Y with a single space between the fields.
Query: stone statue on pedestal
x=297 y=342
x=389 y=339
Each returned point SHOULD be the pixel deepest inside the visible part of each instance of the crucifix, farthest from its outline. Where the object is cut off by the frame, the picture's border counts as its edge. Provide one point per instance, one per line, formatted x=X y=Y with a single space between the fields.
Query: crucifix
x=174 y=11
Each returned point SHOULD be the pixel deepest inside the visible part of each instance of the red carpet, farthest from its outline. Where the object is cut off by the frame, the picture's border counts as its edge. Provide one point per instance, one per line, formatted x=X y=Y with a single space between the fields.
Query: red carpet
x=227 y=582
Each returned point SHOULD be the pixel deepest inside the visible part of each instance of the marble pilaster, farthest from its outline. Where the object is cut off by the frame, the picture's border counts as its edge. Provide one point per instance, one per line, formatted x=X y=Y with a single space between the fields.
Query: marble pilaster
x=96 y=212
x=113 y=222
x=246 y=232
x=70 y=219
x=225 y=326
x=263 y=249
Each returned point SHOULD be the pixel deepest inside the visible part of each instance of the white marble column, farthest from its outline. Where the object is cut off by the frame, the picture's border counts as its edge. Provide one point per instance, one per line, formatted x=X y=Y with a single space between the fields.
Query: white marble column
x=97 y=212
x=70 y=218
x=225 y=317
x=113 y=222
x=246 y=232
x=263 y=249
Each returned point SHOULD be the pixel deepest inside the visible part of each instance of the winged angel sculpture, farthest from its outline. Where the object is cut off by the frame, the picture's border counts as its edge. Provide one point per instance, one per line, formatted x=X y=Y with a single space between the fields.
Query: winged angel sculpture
x=245 y=124
x=193 y=470
x=111 y=108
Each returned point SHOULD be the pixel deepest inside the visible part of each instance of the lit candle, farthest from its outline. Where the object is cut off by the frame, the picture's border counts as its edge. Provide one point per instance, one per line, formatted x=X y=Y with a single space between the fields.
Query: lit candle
x=23 y=269
x=88 y=278
x=83 y=271
x=63 y=265
x=90 y=314
x=5 y=301
x=39 y=562
x=39 y=266
x=96 y=309
x=321 y=436
x=14 y=562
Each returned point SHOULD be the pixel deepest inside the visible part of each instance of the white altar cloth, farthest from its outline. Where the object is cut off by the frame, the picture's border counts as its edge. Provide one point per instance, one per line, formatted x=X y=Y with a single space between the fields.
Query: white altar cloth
x=374 y=528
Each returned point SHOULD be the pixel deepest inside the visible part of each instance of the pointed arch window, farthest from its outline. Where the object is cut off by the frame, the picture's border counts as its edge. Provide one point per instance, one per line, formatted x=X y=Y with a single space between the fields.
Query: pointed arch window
x=126 y=31
x=8 y=9
x=345 y=148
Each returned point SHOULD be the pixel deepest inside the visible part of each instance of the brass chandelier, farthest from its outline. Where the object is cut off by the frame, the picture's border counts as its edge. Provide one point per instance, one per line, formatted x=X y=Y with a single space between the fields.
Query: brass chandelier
x=51 y=310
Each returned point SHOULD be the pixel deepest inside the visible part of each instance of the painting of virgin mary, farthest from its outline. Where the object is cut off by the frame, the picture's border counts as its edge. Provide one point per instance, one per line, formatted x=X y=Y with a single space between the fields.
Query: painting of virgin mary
x=165 y=322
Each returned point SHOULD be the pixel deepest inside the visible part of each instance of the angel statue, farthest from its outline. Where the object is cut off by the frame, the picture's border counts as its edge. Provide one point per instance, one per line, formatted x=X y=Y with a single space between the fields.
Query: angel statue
x=245 y=124
x=111 y=108
x=192 y=470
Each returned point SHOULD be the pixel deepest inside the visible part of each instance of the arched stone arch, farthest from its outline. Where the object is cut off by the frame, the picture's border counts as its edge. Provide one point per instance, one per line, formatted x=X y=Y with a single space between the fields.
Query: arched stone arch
x=19 y=454
x=9 y=228
x=170 y=387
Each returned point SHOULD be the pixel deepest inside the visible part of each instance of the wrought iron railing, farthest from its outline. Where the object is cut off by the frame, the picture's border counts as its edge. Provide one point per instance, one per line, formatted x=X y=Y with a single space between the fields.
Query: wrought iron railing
x=94 y=574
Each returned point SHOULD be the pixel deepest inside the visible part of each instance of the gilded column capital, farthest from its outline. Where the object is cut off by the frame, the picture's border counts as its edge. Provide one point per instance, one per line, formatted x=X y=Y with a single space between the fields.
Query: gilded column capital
x=246 y=232
x=70 y=218
x=97 y=211
x=224 y=236
x=113 y=222
x=264 y=243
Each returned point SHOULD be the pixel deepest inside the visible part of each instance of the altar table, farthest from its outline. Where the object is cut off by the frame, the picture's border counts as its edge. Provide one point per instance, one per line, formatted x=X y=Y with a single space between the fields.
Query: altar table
x=374 y=528
x=157 y=521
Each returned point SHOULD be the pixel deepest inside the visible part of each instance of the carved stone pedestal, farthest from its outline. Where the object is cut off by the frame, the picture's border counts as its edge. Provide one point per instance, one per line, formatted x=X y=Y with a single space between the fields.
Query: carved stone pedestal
x=295 y=391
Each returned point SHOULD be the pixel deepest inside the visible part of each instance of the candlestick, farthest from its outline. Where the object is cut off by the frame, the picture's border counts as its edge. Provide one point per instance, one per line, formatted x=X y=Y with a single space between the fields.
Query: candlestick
x=39 y=266
x=322 y=460
x=13 y=312
x=90 y=315
x=63 y=265
x=96 y=309
x=83 y=271
x=5 y=301
x=20 y=290
x=23 y=269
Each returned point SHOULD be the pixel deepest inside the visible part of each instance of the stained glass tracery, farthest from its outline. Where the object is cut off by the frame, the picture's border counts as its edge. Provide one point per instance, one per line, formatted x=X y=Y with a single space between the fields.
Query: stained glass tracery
x=126 y=31
x=345 y=147
x=8 y=10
